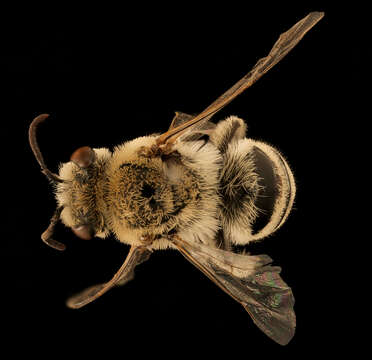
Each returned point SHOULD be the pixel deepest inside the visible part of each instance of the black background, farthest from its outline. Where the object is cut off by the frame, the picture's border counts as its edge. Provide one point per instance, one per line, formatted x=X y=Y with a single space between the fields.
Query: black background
x=117 y=74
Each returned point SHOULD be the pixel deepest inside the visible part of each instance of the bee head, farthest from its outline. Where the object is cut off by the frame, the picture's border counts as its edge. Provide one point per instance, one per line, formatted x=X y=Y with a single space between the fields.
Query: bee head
x=79 y=190
x=82 y=191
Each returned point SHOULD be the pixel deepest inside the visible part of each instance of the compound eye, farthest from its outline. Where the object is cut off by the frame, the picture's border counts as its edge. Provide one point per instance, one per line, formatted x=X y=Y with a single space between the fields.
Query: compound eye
x=84 y=232
x=83 y=157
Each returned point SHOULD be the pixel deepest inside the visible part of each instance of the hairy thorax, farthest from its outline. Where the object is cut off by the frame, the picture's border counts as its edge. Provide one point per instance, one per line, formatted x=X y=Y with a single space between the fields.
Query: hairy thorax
x=142 y=197
x=153 y=196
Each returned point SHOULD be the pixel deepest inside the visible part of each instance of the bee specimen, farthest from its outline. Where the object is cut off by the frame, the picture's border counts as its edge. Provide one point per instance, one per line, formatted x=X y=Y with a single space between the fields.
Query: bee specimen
x=201 y=188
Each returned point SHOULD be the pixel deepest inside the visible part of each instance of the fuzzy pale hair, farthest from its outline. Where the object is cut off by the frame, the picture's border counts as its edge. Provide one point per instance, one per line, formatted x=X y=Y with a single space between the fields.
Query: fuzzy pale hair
x=206 y=174
x=198 y=221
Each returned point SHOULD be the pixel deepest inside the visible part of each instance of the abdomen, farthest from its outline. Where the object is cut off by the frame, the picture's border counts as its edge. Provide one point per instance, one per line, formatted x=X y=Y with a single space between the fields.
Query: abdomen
x=257 y=190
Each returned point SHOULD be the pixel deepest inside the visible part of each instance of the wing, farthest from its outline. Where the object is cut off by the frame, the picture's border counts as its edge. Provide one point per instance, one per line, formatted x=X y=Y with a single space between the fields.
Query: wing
x=179 y=119
x=251 y=281
x=136 y=256
x=198 y=130
x=286 y=42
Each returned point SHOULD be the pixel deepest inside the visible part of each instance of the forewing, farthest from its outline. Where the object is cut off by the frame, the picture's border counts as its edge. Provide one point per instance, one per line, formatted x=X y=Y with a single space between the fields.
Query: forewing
x=266 y=297
x=200 y=129
x=136 y=256
x=179 y=119
x=286 y=42
x=251 y=281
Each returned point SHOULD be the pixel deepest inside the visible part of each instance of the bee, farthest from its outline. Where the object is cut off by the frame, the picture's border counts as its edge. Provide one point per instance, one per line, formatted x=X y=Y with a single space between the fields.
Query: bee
x=201 y=188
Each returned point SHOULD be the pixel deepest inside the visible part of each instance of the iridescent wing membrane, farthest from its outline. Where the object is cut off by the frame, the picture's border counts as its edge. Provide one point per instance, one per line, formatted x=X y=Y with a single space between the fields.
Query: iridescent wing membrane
x=252 y=282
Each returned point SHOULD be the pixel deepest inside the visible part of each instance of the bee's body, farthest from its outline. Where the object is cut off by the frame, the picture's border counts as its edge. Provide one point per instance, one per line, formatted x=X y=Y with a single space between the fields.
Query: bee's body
x=199 y=188
x=203 y=187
